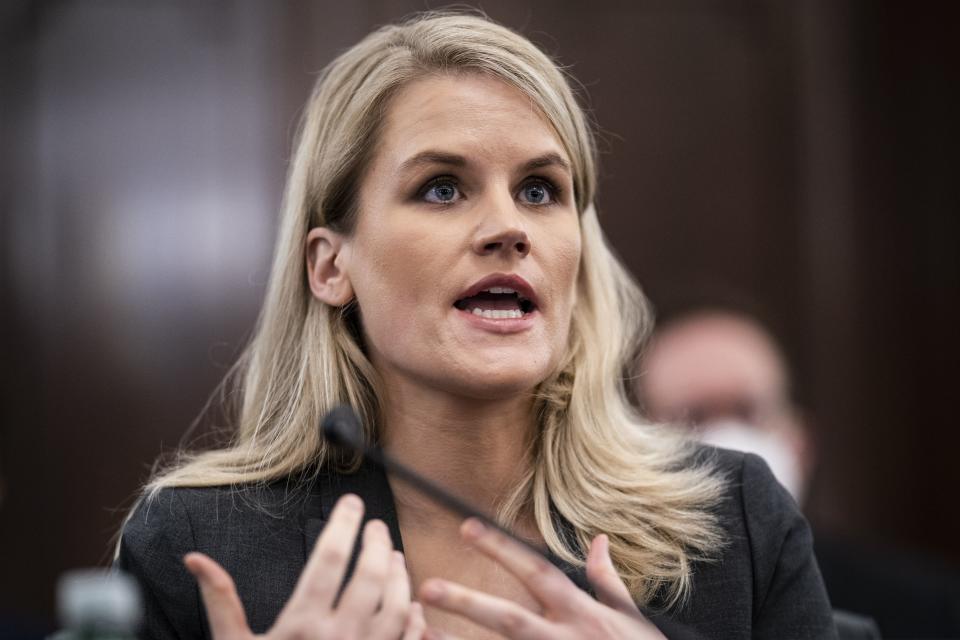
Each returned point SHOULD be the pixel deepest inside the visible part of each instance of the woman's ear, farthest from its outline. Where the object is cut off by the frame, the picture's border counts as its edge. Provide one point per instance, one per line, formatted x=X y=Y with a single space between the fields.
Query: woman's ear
x=327 y=258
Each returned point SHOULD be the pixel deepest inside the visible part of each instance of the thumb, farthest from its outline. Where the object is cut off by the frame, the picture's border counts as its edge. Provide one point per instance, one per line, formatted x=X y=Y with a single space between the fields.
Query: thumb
x=220 y=599
x=604 y=578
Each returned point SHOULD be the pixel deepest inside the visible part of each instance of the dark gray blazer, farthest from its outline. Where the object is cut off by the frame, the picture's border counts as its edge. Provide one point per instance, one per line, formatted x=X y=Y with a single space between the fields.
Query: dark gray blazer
x=766 y=583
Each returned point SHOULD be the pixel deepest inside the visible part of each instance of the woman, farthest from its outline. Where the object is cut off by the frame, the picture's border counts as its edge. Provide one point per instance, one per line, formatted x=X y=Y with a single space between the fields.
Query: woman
x=440 y=267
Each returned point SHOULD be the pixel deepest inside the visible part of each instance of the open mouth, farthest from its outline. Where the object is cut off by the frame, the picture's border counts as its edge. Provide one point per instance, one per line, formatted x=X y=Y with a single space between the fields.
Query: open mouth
x=497 y=303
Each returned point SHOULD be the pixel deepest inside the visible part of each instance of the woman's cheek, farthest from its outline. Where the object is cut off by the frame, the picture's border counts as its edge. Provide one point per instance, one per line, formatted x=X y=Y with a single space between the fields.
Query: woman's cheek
x=568 y=263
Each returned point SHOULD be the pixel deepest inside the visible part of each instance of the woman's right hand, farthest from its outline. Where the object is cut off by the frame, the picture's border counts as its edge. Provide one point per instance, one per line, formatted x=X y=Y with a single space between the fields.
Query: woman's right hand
x=375 y=604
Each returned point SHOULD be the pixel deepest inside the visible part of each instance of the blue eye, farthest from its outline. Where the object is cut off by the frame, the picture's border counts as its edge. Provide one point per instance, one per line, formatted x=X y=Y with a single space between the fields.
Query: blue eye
x=537 y=193
x=441 y=192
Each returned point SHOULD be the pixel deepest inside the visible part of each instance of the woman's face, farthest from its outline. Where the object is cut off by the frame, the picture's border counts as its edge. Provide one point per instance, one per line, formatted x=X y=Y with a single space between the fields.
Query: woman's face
x=465 y=255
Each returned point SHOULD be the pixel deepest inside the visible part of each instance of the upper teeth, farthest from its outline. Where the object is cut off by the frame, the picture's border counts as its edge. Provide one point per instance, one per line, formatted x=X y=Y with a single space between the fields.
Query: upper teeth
x=501 y=290
x=497 y=314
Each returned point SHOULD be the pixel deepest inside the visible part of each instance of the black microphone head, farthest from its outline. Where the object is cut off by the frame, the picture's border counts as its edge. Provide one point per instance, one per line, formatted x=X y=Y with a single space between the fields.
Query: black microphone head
x=341 y=426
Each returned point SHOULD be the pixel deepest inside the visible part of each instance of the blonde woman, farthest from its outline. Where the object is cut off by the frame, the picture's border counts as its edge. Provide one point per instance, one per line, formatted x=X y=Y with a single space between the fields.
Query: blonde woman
x=440 y=267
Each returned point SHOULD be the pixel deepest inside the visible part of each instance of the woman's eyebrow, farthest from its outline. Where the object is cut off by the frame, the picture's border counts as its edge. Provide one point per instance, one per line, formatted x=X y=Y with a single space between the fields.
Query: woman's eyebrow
x=429 y=157
x=432 y=157
x=546 y=160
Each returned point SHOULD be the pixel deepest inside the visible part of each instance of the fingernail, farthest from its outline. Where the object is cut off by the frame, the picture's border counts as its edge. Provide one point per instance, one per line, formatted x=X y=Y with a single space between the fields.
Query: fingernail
x=195 y=566
x=377 y=527
x=351 y=502
x=473 y=528
x=604 y=542
x=432 y=590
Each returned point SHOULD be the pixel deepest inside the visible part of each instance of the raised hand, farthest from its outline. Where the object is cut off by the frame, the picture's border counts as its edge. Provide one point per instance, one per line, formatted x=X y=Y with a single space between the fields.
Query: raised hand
x=567 y=612
x=375 y=604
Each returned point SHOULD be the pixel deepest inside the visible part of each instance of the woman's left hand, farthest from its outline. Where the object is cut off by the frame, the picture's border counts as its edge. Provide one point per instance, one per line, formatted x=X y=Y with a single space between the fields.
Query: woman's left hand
x=567 y=613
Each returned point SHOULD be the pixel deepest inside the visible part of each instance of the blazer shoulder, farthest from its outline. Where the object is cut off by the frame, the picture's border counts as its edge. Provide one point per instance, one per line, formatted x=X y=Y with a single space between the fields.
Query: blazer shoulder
x=727 y=462
x=153 y=542
x=182 y=510
x=767 y=566
x=161 y=518
x=755 y=506
x=751 y=490
x=790 y=599
x=253 y=532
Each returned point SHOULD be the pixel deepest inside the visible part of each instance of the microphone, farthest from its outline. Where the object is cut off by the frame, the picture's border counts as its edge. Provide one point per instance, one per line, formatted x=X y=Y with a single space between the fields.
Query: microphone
x=341 y=426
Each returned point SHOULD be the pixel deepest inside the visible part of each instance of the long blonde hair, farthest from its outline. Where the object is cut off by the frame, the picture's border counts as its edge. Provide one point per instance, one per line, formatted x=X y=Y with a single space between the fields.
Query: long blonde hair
x=595 y=461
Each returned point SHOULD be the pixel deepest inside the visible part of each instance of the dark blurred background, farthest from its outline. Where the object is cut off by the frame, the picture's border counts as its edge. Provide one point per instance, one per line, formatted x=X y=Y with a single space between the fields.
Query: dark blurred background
x=802 y=154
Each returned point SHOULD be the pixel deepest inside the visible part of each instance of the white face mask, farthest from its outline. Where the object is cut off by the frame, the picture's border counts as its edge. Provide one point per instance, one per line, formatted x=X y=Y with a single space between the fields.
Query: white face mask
x=770 y=445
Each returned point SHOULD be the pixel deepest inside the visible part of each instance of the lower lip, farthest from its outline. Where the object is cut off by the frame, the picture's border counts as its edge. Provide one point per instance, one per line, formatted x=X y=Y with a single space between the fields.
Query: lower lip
x=500 y=325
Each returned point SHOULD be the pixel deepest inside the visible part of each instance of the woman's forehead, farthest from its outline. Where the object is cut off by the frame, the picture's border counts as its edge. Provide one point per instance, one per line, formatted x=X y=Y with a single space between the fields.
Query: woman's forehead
x=469 y=115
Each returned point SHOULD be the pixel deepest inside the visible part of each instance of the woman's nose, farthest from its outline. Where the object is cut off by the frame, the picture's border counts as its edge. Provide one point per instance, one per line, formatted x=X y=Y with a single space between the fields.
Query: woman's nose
x=502 y=234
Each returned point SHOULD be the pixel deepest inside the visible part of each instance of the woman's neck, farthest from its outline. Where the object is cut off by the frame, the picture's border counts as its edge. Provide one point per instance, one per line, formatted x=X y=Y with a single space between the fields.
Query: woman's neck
x=476 y=449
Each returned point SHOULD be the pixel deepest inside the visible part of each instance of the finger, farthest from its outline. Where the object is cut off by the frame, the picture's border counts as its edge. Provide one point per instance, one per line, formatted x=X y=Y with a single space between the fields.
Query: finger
x=416 y=623
x=363 y=594
x=395 y=608
x=546 y=583
x=505 y=617
x=605 y=580
x=220 y=599
x=320 y=581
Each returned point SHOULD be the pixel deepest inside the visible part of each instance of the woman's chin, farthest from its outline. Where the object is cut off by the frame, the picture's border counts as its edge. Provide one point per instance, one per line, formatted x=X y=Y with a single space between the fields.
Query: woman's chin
x=496 y=382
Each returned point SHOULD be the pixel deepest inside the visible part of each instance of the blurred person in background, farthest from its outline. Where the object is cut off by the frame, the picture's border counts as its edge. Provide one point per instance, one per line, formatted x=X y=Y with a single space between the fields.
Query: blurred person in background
x=721 y=372
x=724 y=375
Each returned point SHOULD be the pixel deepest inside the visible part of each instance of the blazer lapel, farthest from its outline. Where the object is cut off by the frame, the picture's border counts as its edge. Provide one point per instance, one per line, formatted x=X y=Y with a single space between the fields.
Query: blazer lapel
x=370 y=483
